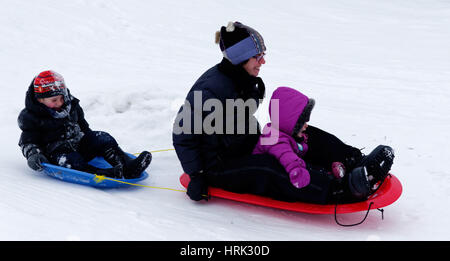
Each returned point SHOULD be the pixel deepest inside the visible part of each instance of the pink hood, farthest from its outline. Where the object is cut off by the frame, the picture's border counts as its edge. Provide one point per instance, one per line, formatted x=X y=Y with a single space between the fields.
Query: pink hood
x=294 y=109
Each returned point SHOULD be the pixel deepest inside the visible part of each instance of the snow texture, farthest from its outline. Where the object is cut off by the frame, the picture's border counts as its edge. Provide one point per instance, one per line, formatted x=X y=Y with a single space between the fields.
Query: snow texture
x=378 y=70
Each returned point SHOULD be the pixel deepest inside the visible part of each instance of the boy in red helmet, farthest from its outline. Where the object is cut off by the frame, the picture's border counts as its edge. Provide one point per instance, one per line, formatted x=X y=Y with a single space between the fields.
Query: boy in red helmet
x=54 y=130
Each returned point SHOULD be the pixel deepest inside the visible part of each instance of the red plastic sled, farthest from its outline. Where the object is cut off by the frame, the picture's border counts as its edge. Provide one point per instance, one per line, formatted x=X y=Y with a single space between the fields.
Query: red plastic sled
x=388 y=193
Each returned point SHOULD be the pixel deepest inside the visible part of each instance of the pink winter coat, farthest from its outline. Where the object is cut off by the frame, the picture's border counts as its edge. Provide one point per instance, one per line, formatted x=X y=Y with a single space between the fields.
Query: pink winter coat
x=277 y=138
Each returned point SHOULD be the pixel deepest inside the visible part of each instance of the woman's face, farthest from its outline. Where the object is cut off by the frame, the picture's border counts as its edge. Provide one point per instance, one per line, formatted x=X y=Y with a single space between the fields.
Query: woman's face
x=253 y=65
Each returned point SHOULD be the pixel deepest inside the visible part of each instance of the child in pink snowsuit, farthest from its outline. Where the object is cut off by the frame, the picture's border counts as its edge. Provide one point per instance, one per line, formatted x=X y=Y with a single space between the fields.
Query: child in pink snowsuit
x=291 y=144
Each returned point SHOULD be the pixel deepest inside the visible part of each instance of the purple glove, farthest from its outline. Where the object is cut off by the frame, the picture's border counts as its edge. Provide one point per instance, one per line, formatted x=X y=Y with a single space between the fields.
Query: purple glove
x=299 y=178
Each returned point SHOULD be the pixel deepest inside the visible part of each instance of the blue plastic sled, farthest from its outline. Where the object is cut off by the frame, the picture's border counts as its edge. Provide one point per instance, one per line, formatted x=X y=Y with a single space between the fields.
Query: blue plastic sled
x=84 y=178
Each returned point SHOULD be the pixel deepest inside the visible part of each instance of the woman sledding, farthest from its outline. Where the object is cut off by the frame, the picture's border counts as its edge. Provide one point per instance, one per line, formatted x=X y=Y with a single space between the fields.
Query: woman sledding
x=304 y=164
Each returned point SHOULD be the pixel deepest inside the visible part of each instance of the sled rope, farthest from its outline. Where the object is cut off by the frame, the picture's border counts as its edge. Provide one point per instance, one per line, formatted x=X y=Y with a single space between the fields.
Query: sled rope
x=154 y=151
x=351 y=225
x=368 y=209
x=100 y=178
x=364 y=219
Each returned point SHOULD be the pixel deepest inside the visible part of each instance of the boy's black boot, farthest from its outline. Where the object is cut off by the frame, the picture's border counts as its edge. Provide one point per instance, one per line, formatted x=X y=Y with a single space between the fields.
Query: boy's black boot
x=131 y=168
x=378 y=163
x=358 y=183
x=134 y=167
x=115 y=157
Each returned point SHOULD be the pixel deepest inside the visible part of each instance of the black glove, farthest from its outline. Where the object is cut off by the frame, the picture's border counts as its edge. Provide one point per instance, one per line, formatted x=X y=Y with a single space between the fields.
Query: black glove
x=35 y=161
x=197 y=188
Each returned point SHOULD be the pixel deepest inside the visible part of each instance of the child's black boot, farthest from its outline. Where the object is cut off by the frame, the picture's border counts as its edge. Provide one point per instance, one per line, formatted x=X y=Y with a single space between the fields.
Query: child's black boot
x=378 y=163
x=131 y=168
x=115 y=157
x=134 y=167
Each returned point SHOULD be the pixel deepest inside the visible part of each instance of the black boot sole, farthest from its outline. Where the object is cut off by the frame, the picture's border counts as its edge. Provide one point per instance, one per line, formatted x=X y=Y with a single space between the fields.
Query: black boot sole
x=378 y=163
x=144 y=160
x=359 y=183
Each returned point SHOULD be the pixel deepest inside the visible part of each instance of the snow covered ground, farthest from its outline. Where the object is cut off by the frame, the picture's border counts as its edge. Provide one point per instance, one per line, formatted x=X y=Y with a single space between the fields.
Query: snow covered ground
x=379 y=71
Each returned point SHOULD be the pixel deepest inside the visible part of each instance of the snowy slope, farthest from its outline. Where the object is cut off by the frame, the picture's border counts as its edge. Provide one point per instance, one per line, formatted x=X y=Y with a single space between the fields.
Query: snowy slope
x=379 y=71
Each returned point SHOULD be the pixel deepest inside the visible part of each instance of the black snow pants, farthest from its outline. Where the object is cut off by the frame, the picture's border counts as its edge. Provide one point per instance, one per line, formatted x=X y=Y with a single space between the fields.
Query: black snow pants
x=93 y=144
x=263 y=175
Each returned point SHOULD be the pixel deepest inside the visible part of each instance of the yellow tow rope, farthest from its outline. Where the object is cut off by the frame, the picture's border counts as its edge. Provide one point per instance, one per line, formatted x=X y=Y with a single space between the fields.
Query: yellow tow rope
x=154 y=151
x=100 y=178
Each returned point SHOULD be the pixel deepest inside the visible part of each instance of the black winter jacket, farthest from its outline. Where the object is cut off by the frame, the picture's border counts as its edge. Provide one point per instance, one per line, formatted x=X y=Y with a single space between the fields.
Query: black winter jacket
x=201 y=152
x=42 y=132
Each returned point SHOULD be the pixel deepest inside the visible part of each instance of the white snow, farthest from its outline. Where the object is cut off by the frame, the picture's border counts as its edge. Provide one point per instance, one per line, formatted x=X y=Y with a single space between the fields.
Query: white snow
x=379 y=71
